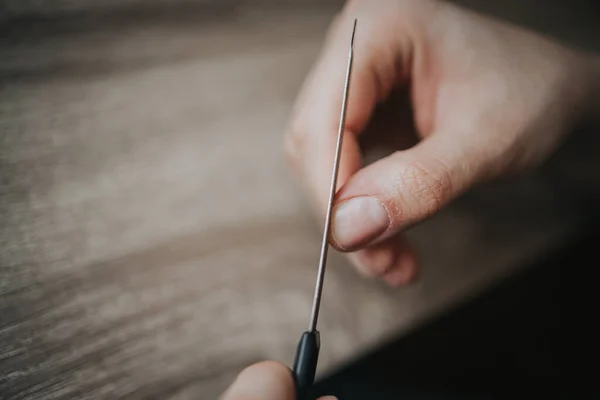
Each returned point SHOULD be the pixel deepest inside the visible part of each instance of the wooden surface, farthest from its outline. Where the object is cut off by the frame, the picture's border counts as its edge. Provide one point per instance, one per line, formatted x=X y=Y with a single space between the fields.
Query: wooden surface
x=152 y=240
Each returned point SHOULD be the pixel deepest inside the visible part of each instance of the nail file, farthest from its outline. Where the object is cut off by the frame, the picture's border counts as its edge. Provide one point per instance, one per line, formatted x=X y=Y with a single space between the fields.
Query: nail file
x=307 y=353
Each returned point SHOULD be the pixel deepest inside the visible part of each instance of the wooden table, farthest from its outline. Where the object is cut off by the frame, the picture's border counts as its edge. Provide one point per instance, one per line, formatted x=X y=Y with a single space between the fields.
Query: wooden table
x=153 y=242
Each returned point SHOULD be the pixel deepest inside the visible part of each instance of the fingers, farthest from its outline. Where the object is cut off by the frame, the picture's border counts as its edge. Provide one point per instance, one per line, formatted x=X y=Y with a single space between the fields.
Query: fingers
x=398 y=191
x=394 y=260
x=267 y=380
x=263 y=381
x=312 y=137
x=379 y=200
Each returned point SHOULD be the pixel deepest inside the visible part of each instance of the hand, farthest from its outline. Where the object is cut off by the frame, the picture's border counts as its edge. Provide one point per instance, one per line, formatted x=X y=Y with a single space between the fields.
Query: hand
x=487 y=99
x=264 y=381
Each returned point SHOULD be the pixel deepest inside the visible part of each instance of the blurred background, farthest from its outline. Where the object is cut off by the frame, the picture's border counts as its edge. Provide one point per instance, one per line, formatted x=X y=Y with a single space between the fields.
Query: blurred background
x=153 y=243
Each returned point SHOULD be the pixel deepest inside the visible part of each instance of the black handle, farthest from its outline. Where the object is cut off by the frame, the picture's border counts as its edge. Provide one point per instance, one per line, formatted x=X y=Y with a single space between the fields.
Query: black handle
x=305 y=365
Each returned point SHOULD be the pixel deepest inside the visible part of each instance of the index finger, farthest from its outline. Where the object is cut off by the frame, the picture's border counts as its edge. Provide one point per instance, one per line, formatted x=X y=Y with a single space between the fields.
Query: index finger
x=312 y=137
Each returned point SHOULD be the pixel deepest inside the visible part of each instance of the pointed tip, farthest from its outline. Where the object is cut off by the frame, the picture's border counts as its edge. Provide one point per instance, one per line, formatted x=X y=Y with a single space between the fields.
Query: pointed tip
x=353 y=32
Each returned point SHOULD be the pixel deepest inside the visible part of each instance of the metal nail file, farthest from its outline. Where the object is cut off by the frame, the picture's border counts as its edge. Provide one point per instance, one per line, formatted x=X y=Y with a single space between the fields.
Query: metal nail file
x=307 y=354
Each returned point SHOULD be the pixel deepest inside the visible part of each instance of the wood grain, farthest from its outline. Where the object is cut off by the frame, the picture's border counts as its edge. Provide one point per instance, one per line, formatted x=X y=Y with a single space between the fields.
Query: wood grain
x=153 y=242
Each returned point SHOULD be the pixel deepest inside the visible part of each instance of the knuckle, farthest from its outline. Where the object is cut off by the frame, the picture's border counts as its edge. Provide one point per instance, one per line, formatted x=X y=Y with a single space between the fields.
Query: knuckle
x=427 y=185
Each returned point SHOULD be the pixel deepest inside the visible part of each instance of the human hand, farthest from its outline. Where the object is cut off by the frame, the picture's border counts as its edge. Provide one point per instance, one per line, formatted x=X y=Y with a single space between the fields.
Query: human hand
x=264 y=381
x=486 y=99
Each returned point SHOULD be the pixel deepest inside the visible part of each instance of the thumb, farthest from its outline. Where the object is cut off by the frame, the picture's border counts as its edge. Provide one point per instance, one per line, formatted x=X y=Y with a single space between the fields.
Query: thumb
x=398 y=191
x=267 y=380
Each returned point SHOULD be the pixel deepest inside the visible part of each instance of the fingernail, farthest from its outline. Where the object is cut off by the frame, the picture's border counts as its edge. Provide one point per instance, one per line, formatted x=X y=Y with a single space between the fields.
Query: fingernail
x=358 y=221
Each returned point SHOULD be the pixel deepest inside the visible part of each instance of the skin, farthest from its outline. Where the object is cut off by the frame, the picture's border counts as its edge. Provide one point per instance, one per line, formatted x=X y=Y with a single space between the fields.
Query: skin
x=462 y=97
x=268 y=380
